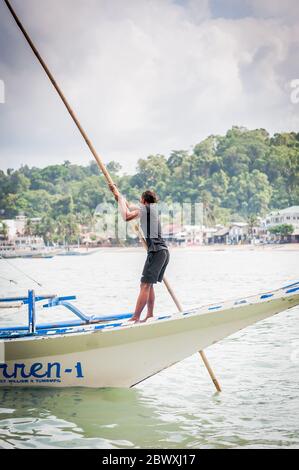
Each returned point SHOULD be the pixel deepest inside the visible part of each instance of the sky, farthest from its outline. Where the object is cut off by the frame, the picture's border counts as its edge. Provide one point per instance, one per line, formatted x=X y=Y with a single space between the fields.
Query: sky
x=143 y=76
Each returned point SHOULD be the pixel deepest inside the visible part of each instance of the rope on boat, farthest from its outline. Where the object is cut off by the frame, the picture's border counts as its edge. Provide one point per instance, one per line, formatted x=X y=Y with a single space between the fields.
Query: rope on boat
x=8 y=280
x=21 y=271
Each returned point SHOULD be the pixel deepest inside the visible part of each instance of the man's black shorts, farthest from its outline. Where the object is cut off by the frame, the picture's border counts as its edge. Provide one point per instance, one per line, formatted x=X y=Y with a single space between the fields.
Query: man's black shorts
x=155 y=266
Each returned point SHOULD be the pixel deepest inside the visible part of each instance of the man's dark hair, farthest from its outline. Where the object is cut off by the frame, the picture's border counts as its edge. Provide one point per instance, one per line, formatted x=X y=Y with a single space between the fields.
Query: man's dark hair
x=150 y=197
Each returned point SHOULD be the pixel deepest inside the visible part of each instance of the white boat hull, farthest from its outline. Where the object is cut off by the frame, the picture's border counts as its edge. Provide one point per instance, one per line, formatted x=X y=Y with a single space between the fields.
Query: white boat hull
x=128 y=354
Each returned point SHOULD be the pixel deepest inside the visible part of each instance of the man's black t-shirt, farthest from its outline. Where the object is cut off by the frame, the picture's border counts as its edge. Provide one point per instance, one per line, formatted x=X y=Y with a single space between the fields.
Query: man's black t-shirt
x=151 y=227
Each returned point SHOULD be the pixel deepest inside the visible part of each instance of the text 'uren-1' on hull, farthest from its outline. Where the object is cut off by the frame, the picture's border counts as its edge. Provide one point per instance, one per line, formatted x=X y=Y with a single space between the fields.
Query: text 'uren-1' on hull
x=112 y=352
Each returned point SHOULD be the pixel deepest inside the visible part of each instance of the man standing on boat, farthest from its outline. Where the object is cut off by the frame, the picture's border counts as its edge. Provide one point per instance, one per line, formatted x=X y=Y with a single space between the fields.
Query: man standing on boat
x=157 y=251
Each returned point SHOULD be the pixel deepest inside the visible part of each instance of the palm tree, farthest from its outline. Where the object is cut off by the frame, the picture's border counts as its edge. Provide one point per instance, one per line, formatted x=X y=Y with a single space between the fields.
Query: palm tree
x=252 y=222
x=208 y=209
x=68 y=228
x=4 y=230
x=29 y=228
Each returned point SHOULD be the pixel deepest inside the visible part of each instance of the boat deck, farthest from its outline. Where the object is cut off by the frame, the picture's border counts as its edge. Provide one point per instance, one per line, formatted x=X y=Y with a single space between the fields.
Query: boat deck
x=84 y=323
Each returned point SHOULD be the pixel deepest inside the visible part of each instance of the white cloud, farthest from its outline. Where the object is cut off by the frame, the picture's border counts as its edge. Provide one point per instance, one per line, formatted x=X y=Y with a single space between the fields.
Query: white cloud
x=144 y=76
x=286 y=10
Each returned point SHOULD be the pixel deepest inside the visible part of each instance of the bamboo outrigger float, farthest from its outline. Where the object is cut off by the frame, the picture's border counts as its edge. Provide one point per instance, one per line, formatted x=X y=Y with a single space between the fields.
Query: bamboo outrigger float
x=112 y=352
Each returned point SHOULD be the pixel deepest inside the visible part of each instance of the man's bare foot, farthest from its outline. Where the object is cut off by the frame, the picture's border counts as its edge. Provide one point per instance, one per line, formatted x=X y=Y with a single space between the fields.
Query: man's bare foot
x=134 y=319
x=146 y=318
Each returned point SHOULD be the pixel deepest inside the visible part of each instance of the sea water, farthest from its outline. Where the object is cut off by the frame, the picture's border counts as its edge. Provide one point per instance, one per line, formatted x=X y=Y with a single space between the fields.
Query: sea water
x=258 y=368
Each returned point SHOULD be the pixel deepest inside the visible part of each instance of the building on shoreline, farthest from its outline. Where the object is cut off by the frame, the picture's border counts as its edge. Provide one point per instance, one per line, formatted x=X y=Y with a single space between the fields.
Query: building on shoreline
x=17 y=234
x=220 y=236
x=16 y=238
x=238 y=232
x=288 y=216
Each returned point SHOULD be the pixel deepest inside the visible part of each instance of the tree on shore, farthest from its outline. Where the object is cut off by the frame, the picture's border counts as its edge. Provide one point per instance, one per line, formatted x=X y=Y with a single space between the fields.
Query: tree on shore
x=46 y=228
x=240 y=174
x=29 y=228
x=67 y=229
x=4 y=230
x=252 y=221
x=282 y=230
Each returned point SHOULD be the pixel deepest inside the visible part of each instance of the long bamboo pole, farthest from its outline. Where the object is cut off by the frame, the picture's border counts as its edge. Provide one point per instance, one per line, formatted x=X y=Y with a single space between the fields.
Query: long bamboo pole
x=97 y=158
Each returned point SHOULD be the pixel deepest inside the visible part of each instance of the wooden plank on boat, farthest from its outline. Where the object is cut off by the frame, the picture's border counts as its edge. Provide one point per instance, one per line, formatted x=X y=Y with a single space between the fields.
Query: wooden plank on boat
x=11 y=304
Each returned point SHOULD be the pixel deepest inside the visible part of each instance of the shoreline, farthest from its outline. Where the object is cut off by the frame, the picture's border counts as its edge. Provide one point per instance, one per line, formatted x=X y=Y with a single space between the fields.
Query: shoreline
x=217 y=247
x=287 y=247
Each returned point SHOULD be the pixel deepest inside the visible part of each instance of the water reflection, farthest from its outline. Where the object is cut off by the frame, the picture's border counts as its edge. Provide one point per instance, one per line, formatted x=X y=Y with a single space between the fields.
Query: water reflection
x=258 y=368
x=104 y=418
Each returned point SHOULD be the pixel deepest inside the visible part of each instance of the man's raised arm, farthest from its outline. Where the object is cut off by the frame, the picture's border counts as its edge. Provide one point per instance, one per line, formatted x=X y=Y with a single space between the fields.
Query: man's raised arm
x=128 y=212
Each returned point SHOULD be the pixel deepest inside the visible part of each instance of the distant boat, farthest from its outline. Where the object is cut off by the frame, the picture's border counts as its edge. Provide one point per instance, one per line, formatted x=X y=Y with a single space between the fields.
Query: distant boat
x=38 y=255
x=78 y=253
x=29 y=254
x=112 y=352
